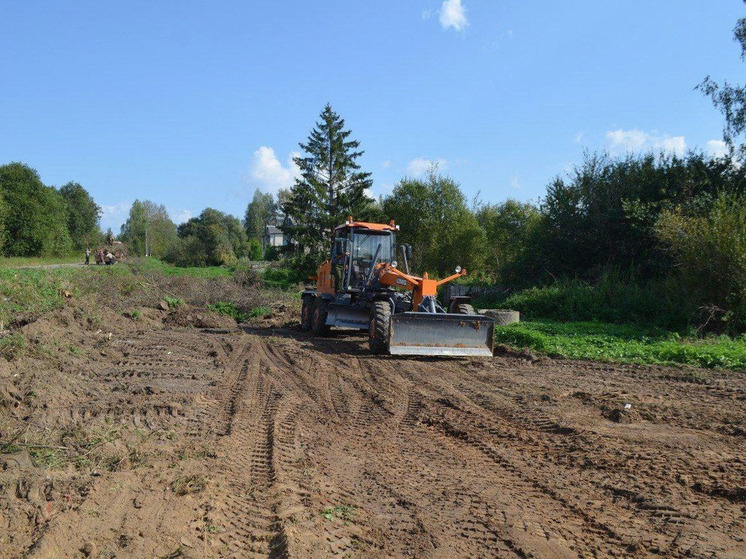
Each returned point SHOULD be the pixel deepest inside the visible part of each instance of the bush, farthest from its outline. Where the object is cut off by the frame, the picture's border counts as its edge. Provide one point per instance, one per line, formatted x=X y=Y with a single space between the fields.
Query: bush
x=284 y=278
x=254 y=249
x=710 y=253
x=230 y=309
x=662 y=303
x=244 y=274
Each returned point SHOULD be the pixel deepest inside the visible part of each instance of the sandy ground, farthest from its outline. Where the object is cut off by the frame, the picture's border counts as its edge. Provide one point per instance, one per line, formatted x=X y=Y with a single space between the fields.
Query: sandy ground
x=265 y=442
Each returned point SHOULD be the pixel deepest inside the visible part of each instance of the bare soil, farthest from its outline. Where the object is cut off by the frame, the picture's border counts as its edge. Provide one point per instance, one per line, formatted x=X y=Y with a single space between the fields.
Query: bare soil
x=179 y=434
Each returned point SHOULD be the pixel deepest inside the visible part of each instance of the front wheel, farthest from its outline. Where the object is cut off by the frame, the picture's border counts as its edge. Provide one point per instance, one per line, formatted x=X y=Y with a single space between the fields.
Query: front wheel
x=379 y=328
x=319 y=318
x=306 y=313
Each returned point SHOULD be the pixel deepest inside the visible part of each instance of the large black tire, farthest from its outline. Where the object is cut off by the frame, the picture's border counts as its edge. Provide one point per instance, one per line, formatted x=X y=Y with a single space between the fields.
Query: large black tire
x=463 y=308
x=379 y=328
x=319 y=318
x=306 y=313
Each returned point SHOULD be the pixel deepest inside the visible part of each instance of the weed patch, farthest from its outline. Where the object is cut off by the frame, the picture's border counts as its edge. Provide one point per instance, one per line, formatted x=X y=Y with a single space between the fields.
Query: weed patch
x=229 y=309
x=259 y=312
x=185 y=485
x=623 y=343
x=344 y=512
x=12 y=345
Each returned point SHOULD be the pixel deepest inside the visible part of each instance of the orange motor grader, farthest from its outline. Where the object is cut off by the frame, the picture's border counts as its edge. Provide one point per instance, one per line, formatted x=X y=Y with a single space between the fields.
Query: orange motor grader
x=361 y=286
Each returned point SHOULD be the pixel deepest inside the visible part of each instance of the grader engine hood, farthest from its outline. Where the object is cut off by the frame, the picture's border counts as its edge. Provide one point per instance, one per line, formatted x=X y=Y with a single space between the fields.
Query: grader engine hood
x=421 y=333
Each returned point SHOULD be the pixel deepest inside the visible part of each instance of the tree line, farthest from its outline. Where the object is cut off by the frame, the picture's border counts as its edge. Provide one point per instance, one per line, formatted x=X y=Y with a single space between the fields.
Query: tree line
x=676 y=220
x=41 y=220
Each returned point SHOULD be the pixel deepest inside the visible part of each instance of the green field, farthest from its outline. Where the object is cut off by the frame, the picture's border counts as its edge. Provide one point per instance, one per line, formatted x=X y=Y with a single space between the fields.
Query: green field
x=623 y=343
x=26 y=262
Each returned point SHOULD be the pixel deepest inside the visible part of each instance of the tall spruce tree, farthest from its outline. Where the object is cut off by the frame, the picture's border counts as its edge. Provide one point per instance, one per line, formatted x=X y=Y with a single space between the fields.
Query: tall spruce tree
x=330 y=188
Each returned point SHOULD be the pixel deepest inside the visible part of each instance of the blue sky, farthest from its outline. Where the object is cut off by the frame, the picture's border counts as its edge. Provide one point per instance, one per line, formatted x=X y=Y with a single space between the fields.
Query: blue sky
x=195 y=104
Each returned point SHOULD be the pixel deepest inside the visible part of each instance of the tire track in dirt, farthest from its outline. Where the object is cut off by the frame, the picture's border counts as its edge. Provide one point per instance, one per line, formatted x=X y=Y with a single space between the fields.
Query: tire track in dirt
x=263 y=458
x=661 y=511
x=476 y=522
x=639 y=517
x=251 y=407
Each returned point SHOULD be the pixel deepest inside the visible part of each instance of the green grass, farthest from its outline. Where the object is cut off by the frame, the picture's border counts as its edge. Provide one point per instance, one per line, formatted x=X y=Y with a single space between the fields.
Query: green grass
x=623 y=343
x=22 y=261
x=154 y=265
x=259 y=312
x=284 y=278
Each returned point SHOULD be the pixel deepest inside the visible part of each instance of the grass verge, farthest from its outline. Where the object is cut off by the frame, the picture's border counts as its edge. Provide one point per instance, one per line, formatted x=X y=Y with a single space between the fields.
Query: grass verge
x=153 y=265
x=31 y=261
x=624 y=343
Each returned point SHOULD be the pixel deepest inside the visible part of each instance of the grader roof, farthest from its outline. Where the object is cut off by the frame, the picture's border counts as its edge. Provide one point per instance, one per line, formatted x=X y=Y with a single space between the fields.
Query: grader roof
x=366 y=225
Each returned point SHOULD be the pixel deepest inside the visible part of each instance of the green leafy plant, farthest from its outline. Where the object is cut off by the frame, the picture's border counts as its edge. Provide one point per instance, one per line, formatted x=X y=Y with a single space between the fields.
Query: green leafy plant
x=258 y=312
x=623 y=343
x=174 y=302
x=344 y=512
x=230 y=309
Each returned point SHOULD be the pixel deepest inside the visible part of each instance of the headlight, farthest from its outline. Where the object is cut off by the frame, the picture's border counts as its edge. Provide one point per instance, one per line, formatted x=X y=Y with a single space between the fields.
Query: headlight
x=458 y=269
x=394 y=263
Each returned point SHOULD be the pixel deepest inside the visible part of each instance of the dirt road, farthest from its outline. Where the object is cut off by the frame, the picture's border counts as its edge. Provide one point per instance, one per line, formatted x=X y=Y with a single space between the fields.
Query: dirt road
x=270 y=443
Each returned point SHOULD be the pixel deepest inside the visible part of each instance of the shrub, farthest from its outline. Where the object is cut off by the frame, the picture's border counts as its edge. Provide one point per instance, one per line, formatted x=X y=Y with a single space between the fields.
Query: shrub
x=284 y=278
x=663 y=303
x=230 y=309
x=710 y=253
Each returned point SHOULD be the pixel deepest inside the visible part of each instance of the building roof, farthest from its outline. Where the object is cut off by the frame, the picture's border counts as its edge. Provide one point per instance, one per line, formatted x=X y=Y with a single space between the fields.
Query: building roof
x=272 y=230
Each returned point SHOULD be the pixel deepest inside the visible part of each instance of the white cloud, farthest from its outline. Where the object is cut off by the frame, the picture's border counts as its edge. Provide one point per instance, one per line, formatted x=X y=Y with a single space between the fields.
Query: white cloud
x=626 y=140
x=631 y=141
x=579 y=137
x=515 y=182
x=717 y=148
x=114 y=215
x=386 y=164
x=453 y=14
x=674 y=144
x=268 y=172
x=179 y=216
x=420 y=165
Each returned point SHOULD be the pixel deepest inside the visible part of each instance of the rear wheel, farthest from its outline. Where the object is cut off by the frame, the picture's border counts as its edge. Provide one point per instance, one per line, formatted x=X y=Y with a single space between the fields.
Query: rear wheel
x=319 y=318
x=379 y=327
x=463 y=308
x=306 y=314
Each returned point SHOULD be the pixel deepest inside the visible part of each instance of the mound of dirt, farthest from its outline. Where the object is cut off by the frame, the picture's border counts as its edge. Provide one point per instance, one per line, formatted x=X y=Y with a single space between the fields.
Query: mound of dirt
x=198 y=318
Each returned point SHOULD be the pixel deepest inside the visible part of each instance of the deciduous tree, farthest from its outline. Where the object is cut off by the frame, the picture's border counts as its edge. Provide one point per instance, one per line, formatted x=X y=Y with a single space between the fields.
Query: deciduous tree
x=437 y=222
x=213 y=239
x=83 y=215
x=261 y=211
x=148 y=230
x=731 y=101
x=36 y=221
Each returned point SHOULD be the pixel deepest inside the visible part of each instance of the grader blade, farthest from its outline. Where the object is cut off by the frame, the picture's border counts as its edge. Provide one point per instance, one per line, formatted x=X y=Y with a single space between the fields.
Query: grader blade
x=421 y=333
